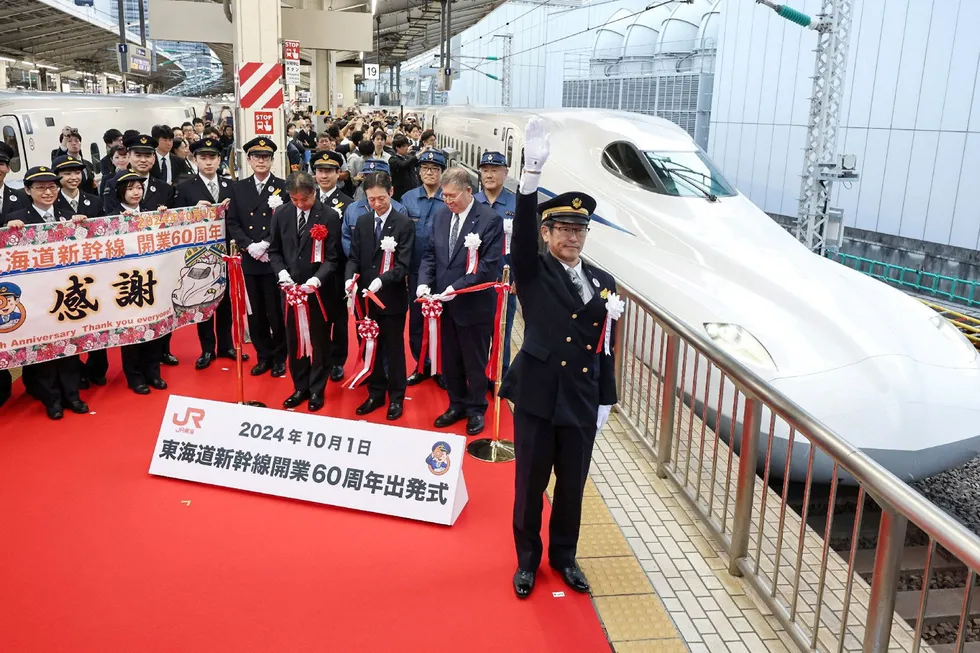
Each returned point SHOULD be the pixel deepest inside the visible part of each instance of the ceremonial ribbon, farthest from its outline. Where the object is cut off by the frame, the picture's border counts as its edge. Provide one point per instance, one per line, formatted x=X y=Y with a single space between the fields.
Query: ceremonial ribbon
x=388 y=247
x=614 y=309
x=368 y=330
x=432 y=312
x=318 y=233
x=236 y=282
x=296 y=297
x=472 y=245
x=352 y=297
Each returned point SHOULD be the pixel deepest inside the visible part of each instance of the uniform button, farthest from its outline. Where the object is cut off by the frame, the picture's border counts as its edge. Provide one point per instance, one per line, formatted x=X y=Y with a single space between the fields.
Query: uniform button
x=251 y=227
x=589 y=347
x=595 y=324
x=252 y=213
x=574 y=316
x=584 y=370
x=563 y=363
x=568 y=339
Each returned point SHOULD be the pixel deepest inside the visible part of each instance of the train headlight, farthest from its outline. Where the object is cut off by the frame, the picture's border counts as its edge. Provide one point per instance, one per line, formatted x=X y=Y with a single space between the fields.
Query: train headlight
x=949 y=330
x=740 y=344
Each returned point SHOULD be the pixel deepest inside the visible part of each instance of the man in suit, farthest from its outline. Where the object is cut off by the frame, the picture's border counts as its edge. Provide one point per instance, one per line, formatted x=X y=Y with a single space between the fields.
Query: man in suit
x=389 y=284
x=71 y=145
x=112 y=137
x=295 y=260
x=166 y=166
x=562 y=386
x=249 y=223
x=361 y=206
x=326 y=168
x=206 y=189
x=467 y=320
x=10 y=199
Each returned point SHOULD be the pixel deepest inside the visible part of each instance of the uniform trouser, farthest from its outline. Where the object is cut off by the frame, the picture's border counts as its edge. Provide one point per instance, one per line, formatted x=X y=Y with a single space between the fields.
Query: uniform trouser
x=416 y=323
x=336 y=305
x=389 y=377
x=96 y=364
x=165 y=343
x=6 y=382
x=55 y=381
x=309 y=374
x=206 y=329
x=509 y=326
x=539 y=445
x=141 y=361
x=265 y=324
x=464 y=364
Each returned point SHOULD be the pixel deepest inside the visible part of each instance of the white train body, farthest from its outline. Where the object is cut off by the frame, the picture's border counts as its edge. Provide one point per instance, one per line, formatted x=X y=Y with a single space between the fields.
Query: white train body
x=873 y=364
x=32 y=122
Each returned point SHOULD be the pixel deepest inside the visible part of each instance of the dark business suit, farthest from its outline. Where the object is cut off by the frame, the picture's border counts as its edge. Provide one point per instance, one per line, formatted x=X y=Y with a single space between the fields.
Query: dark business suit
x=176 y=166
x=557 y=382
x=189 y=193
x=334 y=295
x=467 y=320
x=13 y=200
x=247 y=221
x=365 y=260
x=292 y=250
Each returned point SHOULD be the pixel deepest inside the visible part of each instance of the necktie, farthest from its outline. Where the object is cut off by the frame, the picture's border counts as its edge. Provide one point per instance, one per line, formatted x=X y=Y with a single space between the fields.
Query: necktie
x=454 y=234
x=377 y=229
x=47 y=217
x=74 y=204
x=163 y=168
x=213 y=188
x=302 y=221
x=579 y=286
x=261 y=187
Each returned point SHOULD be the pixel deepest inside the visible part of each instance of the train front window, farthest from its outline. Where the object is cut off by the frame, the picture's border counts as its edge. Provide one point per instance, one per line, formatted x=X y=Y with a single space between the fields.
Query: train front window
x=688 y=174
x=10 y=138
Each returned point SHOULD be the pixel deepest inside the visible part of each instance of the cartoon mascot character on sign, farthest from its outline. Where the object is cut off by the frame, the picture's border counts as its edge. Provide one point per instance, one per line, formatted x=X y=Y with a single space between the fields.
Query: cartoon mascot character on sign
x=438 y=461
x=202 y=280
x=12 y=312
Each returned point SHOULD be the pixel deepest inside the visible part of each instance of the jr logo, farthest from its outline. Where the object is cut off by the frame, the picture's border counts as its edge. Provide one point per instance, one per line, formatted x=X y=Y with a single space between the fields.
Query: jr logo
x=191 y=415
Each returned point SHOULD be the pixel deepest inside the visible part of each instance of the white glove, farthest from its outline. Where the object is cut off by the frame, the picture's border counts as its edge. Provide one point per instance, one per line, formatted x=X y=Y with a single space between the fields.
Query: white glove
x=264 y=258
x=444 y=298
x=508 y=227
x=602 y=417
x=423 y=290
x=537 y=144
x=375 y=285
x=285 y=279
x=312 y=282
x=255 y=250
x=350 y=286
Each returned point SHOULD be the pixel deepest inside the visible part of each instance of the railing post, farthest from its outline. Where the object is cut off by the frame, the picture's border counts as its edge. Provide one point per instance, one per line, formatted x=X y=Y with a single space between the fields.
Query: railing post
x=668 y=396
x=884 y=582
x=619 y=352
x=745 y=490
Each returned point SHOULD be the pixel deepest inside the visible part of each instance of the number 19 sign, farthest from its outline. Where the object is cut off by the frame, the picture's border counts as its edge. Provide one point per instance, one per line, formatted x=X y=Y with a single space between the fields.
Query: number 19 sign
x=374 y=467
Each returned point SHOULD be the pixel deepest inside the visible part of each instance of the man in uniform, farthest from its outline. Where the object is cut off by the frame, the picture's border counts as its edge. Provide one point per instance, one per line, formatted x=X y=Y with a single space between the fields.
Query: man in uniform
x=561 y=386
x=248 y=221
x=206 y=189
x=326 y=168
x=10 y=199
x=292 y=255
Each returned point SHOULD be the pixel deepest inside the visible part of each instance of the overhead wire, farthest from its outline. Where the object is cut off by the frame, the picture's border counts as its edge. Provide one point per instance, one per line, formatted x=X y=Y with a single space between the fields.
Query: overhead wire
x=534 y=8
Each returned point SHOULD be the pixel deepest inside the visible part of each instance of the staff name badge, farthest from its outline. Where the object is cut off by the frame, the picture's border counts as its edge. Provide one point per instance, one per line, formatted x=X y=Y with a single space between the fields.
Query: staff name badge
x=352 y=464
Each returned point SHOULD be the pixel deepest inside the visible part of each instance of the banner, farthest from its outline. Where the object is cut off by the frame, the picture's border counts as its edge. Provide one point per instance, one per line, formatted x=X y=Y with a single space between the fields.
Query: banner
x=353 y=464
x=67 y=288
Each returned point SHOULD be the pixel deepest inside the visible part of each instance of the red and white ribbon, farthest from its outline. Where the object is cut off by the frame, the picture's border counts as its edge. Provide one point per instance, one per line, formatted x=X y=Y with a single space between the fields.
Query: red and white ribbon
x=432 y=312
x=614 y=310
x=388 y=247
x=296 y=297
x=369 y=331
x=319 y=234
x=472 y=244
x=236 y=283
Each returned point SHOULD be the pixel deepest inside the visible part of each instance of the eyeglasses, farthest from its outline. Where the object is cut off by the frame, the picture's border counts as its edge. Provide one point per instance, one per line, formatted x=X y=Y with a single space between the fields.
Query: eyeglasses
x=46 y=189
x=451 y=198
x=578 y=232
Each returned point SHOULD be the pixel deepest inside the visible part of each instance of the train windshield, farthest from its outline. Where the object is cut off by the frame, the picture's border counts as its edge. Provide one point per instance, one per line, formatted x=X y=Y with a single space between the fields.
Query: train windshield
x=688 y=174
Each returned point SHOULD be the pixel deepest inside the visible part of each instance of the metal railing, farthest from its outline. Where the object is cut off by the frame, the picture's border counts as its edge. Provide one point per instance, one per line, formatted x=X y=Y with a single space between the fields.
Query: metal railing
x=938 y=285
x=709 y=421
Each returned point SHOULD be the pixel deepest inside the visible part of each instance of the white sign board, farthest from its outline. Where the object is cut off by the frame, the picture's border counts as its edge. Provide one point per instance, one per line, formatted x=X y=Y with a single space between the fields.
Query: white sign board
x=291 y=61
x=371 y=71
x=374 y=467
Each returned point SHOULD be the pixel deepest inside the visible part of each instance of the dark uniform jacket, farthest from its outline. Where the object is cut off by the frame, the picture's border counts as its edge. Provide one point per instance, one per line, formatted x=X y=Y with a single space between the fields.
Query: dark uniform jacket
x=158 y=193
x=249 y=218
x=440 y=269
x=13 y=200
x=366 y=257
x=88 y=205
x=558 y=374
x=191 y=191
x=339 y=202
x=28 y=215
x=404 y=174
x=293 y=252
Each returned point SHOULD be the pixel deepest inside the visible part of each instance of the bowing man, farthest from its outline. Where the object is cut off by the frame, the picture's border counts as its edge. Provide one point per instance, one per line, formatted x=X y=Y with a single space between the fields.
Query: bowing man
x=467 y=321
x=297 y=259
x=388 y=281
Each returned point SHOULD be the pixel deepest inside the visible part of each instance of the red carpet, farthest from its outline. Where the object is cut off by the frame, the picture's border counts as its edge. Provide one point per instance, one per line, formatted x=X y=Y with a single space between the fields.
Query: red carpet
x=97 y=555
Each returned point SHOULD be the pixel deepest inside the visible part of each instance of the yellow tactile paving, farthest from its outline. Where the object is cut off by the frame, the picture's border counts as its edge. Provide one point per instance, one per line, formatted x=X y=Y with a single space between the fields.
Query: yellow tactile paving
x=635 y=617
x=615 y=576
x=651 y=646
x=602 y=541
x=594 y=511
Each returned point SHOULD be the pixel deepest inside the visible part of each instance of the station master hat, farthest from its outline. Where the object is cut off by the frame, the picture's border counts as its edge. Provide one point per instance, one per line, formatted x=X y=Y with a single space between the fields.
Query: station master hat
x=68 y=162
x=433 y=156
x=260 y=145
x=37 y=174
x=493 y=159
x=375 y=165
x=6 y=153
x=571 y=208
x=327 y=159
x=205 y=146
x=10 y=289
x=141 y=143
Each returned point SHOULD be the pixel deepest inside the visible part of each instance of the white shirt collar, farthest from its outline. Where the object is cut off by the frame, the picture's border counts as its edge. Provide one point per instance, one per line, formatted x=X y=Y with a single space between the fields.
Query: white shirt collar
x=41 y=211
x=78 y=195
x=260 y=183
x=206 y=180
x=135 y=209
x=578 y=268
x=465 y=212
x=327 y=194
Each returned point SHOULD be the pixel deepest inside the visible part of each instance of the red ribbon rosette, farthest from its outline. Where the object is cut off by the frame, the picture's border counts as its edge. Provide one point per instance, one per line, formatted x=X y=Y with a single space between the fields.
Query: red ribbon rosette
x=432 y=313
x=318 y=233
x=297 y=299
x=368 y=330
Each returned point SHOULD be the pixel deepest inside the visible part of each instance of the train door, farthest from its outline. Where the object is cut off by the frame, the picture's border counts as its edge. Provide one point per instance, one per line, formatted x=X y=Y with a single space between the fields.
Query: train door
x=514 y=151
x=11 y=133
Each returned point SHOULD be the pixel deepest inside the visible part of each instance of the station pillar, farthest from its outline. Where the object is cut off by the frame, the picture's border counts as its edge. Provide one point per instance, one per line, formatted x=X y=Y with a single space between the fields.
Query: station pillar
x=3 y=74
x=103 y=84
x=323 y=79
x=258 y=38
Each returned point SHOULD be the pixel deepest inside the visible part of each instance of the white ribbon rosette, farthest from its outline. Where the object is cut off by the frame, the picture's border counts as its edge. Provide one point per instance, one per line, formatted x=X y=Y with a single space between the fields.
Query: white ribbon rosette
x=388 y=245
x=472 y=244
x=274 y=202
x=614 y=310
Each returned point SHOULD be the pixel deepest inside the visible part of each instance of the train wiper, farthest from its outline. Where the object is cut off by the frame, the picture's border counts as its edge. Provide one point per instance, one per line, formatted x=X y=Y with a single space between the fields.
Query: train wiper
x=701 y=187
x=677 y=172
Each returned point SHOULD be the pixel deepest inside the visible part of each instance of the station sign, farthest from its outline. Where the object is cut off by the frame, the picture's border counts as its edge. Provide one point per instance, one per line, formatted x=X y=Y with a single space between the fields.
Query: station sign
x=291 y=61
x=263 y=123
x=139 y=61
x=372 y=71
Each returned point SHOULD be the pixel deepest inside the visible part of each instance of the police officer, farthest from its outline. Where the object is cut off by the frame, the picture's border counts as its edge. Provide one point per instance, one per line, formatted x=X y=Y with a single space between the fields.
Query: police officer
x=561 y=386
x=249 y=220
x=421 y=204
x=326 y=169
x=361 y=206
x=493 y=172
x=10 y=199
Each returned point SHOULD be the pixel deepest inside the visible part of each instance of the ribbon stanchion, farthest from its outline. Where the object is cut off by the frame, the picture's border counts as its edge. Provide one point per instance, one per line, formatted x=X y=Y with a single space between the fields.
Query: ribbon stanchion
x=432 y=314
x=239 y=307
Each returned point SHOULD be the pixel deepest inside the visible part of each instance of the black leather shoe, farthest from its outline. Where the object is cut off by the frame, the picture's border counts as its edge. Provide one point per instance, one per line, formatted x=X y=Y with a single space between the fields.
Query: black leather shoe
x=417 y=378
x=78 y=406
x=83 y=384
x=394 y=411
x=295 y=399
x=55 y=411
x=474 y=424
x=230 y=353
x=336 y=373
x=158 y=383
x=369 y=406
x=98 y=380
x=441 y=382
x=169 y=359
x=279 y=369
x=204 y=361
x=523 y=583
x=574 y=578
x=141 y=389
x=316 y=402
x=449 y=418
x=261 y=368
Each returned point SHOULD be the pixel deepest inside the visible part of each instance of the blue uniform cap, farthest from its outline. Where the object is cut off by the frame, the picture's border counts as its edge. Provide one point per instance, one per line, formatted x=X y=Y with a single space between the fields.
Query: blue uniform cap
x=375 y=165
x=442 y=445
x=493 y=159
x=6 y=153
x=433 y=156
x=7 y=288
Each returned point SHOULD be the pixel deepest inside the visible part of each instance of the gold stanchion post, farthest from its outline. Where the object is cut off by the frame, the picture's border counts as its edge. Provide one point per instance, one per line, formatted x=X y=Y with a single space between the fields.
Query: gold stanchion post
x=495 y=450
x=238 y=329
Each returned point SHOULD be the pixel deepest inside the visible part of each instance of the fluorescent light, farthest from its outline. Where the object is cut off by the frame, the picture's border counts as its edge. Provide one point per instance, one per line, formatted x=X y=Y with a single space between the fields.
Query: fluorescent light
x=41 y=65
x=8 y=60
x=374 y=5
x=362 y=56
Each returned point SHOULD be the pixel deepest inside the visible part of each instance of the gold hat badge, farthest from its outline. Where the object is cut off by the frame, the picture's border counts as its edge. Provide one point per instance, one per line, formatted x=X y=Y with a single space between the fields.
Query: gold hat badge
x=143 y=140
x=576 y=203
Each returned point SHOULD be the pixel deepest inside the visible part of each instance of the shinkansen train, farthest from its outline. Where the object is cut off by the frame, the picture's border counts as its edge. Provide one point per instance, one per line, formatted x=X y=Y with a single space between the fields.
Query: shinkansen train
x=31 y=123
x=875 y=365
